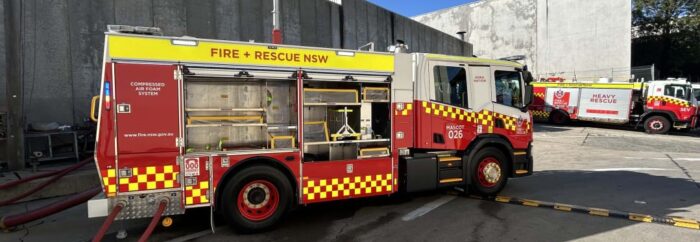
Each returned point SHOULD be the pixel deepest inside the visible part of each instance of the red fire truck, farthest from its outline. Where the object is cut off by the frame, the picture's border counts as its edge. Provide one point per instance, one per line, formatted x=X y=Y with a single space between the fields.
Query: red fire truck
x=251 y=130
x=657 y=105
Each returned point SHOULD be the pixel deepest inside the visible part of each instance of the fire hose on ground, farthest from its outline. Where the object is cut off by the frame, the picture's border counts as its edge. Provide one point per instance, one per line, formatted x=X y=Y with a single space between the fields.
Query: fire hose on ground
x=44 y=184
x=118 y=208
x=42 y=175
x=154 y=221
x=12 y=221
x=108 y=222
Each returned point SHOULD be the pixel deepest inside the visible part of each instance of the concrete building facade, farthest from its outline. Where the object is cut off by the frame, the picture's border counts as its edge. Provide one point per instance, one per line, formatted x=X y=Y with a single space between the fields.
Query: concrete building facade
x=573 y=39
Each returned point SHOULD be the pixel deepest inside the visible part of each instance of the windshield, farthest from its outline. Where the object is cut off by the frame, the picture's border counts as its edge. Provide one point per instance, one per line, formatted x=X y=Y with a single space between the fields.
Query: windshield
x=678 y=91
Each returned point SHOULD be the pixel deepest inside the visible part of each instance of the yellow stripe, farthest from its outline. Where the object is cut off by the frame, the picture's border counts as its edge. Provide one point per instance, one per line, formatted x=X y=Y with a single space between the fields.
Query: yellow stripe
x=562 y=207
x=588 y=85
x=598 y=212
x=640 y=217
x=161 y=49
x=502 y=199
x=531 y=203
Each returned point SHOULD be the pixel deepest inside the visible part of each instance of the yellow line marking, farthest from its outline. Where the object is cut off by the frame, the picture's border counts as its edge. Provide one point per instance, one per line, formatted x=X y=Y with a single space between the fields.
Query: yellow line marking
x=641 y=217
x=686 y=223
x=502 y=199
x=562 y=207
x=531 y=203
x=599 y=212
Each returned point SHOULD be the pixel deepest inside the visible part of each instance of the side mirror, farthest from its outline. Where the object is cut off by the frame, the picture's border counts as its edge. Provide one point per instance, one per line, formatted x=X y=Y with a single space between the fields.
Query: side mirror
x=528 y=77
x=528 y=97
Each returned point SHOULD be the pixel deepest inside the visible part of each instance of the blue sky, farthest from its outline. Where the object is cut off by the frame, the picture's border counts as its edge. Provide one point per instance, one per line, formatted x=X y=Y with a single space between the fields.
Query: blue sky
x=412 y=8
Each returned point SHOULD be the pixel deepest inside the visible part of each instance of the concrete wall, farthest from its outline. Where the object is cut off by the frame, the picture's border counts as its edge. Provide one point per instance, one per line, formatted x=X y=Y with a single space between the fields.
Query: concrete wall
x=3 y=83
x=62 y=40
x=569 y=38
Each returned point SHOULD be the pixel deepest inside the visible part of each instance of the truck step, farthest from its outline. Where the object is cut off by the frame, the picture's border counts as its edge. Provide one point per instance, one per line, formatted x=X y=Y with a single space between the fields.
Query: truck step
x=520 y=172
x=448 y=158
x=450 y=180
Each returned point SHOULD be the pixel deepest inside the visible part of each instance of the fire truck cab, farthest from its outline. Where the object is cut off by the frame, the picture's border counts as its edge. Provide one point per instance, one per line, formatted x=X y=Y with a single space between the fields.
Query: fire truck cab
x=252 y=129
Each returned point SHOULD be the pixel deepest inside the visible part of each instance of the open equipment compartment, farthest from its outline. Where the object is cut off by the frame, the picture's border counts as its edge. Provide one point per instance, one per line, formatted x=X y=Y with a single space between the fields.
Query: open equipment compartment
x=226 y=110
x=346 y=117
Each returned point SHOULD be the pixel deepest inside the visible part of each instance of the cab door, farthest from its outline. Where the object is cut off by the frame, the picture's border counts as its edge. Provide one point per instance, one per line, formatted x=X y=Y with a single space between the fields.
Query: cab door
x=508 y=101
x=449 y=93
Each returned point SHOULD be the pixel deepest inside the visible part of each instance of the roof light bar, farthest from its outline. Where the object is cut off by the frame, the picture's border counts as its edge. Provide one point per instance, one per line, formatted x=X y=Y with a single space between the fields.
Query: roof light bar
x=184 y=42
x=345 y=53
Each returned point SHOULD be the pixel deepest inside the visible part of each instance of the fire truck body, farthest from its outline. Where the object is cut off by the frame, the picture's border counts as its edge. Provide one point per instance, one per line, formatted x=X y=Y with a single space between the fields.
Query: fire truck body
x=658 y=105
x=252 y=129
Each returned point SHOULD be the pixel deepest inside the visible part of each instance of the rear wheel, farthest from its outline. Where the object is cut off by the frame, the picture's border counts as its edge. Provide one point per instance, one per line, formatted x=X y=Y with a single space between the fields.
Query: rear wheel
x=558 y=117
x=657 y=125
x=489 y=171
x=256 y=199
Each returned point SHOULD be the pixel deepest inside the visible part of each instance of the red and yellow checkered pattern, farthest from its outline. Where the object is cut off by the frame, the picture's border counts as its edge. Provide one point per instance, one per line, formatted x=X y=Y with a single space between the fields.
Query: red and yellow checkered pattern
x=510 y=123
x=407 y=108
x=676 y=101
x=539 y=94
x=109 y=180
x=540 y=114
x=347 y=186
x=484 y=117
x=197 y=194
x=142 y=178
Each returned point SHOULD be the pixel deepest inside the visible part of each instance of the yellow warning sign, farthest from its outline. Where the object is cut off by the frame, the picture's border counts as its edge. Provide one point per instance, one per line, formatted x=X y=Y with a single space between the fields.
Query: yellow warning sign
x=238 y=53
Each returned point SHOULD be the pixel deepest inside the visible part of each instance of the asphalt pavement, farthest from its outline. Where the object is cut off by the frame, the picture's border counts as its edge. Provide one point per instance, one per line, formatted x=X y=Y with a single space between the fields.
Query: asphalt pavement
x=591 y=166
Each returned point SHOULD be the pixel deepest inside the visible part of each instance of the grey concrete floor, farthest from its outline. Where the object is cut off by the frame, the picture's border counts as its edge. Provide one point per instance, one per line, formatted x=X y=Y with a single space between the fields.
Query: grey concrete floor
x=589 y=166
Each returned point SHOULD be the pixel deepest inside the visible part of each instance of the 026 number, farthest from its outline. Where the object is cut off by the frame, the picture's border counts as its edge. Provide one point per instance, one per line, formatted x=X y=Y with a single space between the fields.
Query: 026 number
x=455 y=134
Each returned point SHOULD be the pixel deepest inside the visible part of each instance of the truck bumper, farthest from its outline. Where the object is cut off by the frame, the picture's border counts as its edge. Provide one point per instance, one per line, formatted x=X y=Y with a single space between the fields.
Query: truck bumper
x=522 y=162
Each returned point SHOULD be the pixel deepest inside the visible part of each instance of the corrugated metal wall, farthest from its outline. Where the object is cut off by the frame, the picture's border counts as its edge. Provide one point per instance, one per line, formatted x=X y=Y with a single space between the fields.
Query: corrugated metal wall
x=62 y=40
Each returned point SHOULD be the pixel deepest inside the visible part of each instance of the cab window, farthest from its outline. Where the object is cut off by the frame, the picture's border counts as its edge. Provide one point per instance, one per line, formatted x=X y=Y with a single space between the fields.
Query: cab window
x=508 y=88
x=676 y=91
x=450 y=85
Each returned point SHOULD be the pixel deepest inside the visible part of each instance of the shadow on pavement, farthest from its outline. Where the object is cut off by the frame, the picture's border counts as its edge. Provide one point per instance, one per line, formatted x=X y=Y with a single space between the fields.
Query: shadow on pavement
x=620 y=190
x=469 y=219
x=549 y=128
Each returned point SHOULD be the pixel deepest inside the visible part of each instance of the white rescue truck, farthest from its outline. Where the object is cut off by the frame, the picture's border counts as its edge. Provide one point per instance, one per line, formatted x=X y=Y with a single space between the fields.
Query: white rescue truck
x=658 y=105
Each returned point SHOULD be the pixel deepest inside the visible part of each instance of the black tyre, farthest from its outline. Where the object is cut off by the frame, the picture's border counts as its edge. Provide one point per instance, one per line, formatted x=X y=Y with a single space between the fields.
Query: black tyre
x=489 y=172
x=255 y=199
x=558 y=117
x=657 y=125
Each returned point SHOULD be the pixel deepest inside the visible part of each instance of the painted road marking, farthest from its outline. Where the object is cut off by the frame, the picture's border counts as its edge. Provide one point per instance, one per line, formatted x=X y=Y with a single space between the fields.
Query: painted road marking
x=600 y=212
x=631 y=169
x=664 y=158
x=427 y=208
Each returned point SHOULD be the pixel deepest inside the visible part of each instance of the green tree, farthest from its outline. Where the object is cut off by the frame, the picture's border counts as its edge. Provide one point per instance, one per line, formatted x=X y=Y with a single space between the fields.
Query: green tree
x=667 y=33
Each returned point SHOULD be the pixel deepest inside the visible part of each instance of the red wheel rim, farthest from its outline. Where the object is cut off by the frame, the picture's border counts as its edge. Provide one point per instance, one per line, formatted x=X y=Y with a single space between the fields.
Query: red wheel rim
x=258 y=200
x=656 y=125
x=489 y=172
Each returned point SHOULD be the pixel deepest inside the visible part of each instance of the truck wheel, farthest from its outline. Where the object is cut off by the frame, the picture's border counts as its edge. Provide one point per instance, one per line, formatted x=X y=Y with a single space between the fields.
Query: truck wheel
x=489 y=171
x=657 y=125
x=255 y=199
x=558 y=117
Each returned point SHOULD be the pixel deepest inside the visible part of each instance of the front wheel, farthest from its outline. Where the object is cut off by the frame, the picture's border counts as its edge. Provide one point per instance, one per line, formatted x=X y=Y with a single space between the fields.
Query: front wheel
x=256 y=199
x=489 y=172
x=657 y=125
